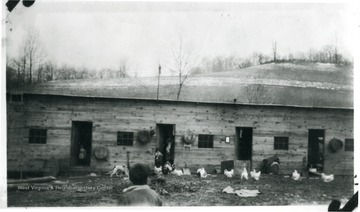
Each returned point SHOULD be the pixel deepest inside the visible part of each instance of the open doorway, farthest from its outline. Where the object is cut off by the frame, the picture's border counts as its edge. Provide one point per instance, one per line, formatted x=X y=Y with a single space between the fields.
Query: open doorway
x=316 y=149
x=166 y=141
x=81 y=136
x=243 y=143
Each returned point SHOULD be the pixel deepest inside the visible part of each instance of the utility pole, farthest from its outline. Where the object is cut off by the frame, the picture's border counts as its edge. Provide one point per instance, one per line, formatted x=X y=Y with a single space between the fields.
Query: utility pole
x=157 y=94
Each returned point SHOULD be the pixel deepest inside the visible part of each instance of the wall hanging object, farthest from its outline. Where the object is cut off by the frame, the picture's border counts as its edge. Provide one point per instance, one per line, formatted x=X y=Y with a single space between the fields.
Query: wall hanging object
x=335 y=145
x=101 y=152
x=188 y=138
x=143 y=137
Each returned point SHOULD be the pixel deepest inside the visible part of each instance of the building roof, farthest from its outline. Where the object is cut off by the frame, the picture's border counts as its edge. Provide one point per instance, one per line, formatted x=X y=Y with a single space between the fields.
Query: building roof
x=287 y=84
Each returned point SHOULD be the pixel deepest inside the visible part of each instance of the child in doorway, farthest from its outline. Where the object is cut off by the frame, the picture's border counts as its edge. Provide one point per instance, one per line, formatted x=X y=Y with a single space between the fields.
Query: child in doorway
x=170 y=150
x=158 y=158
x=82 y=155
x=140 y=194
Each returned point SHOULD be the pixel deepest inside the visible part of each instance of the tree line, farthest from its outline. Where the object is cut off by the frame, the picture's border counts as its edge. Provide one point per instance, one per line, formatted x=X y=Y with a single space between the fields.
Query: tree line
x=327 y=54
x=33 y=66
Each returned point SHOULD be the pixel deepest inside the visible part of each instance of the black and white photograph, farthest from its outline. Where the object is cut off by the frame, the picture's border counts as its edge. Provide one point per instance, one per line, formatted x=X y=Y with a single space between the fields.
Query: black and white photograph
x=178 y=104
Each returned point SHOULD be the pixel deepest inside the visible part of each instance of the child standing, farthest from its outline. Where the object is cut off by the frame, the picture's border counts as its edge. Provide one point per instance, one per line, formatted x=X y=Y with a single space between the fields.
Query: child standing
x=169 y=156
x=158 y=158
x=140 y=194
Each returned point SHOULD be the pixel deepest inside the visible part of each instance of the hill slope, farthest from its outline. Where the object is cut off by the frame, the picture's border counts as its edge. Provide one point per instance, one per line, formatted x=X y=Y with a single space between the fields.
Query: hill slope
x=297 y=71
x=270 y=84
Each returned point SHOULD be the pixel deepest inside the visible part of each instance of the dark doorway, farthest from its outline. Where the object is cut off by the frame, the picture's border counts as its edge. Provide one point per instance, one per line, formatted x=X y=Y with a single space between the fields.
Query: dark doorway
x=316 y=149
x=243 y=143
x=166 y=141
x=81 y=136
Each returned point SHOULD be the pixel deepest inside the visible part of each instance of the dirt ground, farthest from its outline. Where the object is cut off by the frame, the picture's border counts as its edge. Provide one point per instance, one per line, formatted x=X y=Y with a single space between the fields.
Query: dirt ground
x=101 y=190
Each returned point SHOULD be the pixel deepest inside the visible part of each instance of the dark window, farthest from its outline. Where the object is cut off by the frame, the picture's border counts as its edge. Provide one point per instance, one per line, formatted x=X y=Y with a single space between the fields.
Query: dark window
x=206 y=141
x=281 y=143
x=349 y=144
x=125 y=138
x=16 y=98
x=37 y=136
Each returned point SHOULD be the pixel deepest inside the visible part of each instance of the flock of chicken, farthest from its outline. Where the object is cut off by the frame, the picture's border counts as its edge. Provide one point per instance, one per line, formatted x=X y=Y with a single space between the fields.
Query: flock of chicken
x=244 y=175
x=256 y=175
x=168 y=168
x=326 y=178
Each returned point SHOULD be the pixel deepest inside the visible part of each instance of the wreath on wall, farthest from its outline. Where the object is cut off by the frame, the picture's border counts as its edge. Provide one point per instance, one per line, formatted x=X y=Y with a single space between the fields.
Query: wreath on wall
x=101 y=152
x=335 y=145
x=188 y=138
x=143 y=137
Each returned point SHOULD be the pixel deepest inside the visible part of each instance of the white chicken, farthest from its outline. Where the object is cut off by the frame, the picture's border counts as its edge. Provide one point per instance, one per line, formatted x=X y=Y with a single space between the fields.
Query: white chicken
x=201 y=173
x=167 y=168
x=244 y=174
x=158 y=170
x=327 y=178
x=296 y=175
x=229 y=173
x=177 y=172
x=255 y=175
x=119 y=169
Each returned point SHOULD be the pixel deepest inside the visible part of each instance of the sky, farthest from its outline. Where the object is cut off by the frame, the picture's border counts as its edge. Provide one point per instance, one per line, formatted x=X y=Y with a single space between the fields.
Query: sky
x=99 y=35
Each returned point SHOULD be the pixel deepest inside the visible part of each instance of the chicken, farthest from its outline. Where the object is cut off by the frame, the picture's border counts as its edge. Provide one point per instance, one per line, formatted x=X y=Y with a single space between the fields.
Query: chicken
x=255 y=175
x=201 y=173
x=119 y=168
x=167 y=168
x=295 y=175
x=327 y=178
x=158 y=170
x=177 y=172
x=229 y=173
x=244 y=174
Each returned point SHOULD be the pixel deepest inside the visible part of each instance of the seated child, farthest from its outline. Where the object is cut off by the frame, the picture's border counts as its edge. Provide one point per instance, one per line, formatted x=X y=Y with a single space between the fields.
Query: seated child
x=140 y=194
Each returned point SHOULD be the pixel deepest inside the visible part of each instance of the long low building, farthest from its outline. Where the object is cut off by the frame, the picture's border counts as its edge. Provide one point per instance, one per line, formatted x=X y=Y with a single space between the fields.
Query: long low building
x=95 y=124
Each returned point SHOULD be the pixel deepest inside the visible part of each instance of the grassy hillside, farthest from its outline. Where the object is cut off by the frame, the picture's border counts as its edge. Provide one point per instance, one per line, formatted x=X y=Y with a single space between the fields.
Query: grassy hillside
x=301 y=71
x=292 y=84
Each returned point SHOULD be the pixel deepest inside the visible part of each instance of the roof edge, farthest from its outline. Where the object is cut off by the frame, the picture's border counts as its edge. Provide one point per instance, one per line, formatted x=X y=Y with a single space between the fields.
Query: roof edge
x=196 y=102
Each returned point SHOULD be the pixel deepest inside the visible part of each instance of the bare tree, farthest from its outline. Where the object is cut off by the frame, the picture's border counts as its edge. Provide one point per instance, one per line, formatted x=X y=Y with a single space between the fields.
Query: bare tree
x=182 y=59
x=218 y=64
x=206 y=64
x=83 y=73
x=16 y=64
x=311 y=55
x=336 y=53
x=274 y=50
x=244 y=62
x=257 y=58
x=123 y=68
x=40 y=73
x=33 y=52
x=328 y=53
x=50 y=69
x=23 y=61
x=64 y=72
